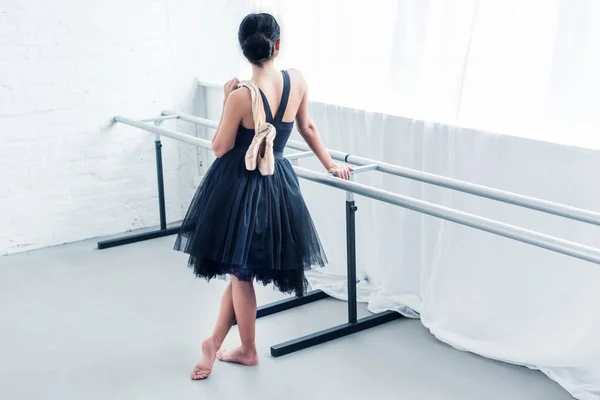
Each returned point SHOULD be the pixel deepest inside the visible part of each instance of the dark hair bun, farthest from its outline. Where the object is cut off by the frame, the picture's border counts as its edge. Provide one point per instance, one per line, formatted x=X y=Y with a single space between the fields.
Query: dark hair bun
x=258 y=35
x=257 y=47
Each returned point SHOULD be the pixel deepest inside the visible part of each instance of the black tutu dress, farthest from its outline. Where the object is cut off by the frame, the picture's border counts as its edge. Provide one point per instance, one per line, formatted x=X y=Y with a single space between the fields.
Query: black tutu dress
x=252 y=226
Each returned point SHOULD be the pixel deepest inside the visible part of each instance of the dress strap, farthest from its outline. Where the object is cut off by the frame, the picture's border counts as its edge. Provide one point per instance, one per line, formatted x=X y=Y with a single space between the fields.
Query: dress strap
x=284 y=97
x=268 y=112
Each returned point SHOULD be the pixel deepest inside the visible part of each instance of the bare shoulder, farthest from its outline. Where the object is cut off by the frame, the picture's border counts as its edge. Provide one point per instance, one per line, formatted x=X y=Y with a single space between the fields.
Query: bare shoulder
x=297 y=79
x=240 y=96
x=240 y=99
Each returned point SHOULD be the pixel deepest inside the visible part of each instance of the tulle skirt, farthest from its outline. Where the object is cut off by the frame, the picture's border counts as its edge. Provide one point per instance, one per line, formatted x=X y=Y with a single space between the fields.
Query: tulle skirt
x=251 y=226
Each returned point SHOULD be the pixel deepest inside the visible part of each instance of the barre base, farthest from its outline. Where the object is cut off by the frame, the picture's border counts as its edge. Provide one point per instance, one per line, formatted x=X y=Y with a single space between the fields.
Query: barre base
x=336 y=332
x=138 y=237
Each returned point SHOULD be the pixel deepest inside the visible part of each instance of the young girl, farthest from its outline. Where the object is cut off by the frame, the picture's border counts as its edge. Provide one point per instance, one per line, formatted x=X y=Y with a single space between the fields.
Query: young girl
x=246 y=225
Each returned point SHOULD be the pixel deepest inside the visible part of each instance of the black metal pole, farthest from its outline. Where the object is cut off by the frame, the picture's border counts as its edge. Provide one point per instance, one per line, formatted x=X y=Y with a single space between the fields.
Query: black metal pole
x=161 y=185
x=354 y=324
x=351 y=259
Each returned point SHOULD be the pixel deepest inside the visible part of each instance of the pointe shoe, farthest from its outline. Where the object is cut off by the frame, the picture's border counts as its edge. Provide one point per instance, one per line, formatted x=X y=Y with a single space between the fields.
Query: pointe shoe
x=259 y=142
x=260 y=151
x=266 y=160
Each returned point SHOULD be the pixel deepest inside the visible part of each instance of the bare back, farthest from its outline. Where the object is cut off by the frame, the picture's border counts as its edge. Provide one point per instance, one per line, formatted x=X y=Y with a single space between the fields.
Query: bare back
x=272 y=87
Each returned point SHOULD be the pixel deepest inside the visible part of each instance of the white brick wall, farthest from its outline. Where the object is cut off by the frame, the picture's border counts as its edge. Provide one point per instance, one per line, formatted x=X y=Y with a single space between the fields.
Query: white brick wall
x=66 y=68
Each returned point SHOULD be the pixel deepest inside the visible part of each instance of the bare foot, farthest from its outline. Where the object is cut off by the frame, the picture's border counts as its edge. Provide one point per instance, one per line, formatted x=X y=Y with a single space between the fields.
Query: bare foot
x=239 y=356
x=209 y=352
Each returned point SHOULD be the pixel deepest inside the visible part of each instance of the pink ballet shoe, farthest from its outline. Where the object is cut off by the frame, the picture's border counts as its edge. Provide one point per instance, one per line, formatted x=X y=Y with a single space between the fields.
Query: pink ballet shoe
x=266 y=158
x=259 y=145
x=260 y=152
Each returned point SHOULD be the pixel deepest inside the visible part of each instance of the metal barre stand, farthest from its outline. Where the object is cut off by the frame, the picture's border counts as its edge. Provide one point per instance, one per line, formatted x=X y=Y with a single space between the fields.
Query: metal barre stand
x=352 y=326
x=163 y=230
x=561 y=246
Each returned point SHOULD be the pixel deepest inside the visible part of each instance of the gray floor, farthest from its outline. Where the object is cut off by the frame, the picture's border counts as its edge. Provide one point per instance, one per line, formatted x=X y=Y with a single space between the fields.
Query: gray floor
x=126 y=323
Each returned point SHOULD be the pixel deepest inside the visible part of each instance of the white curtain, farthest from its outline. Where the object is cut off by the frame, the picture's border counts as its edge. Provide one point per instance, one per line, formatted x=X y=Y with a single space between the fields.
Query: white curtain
x=476 y=291
x=521 y=67
x=487 y=77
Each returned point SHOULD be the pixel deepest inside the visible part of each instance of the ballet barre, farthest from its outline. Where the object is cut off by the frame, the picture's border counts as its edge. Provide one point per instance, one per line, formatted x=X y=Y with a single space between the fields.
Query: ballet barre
x=351 y=188
x=533 y=203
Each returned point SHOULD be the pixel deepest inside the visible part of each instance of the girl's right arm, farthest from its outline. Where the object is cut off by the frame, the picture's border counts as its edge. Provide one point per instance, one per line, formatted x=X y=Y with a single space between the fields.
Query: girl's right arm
x=309 y=132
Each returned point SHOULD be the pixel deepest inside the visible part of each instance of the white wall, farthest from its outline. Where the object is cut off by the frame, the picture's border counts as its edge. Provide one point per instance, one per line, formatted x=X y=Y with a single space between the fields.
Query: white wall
x=66 y=68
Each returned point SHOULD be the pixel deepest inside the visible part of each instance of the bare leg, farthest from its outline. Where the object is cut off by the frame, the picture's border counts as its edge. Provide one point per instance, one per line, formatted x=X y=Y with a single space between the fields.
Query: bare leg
x=213 y=343
x=244 y=303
